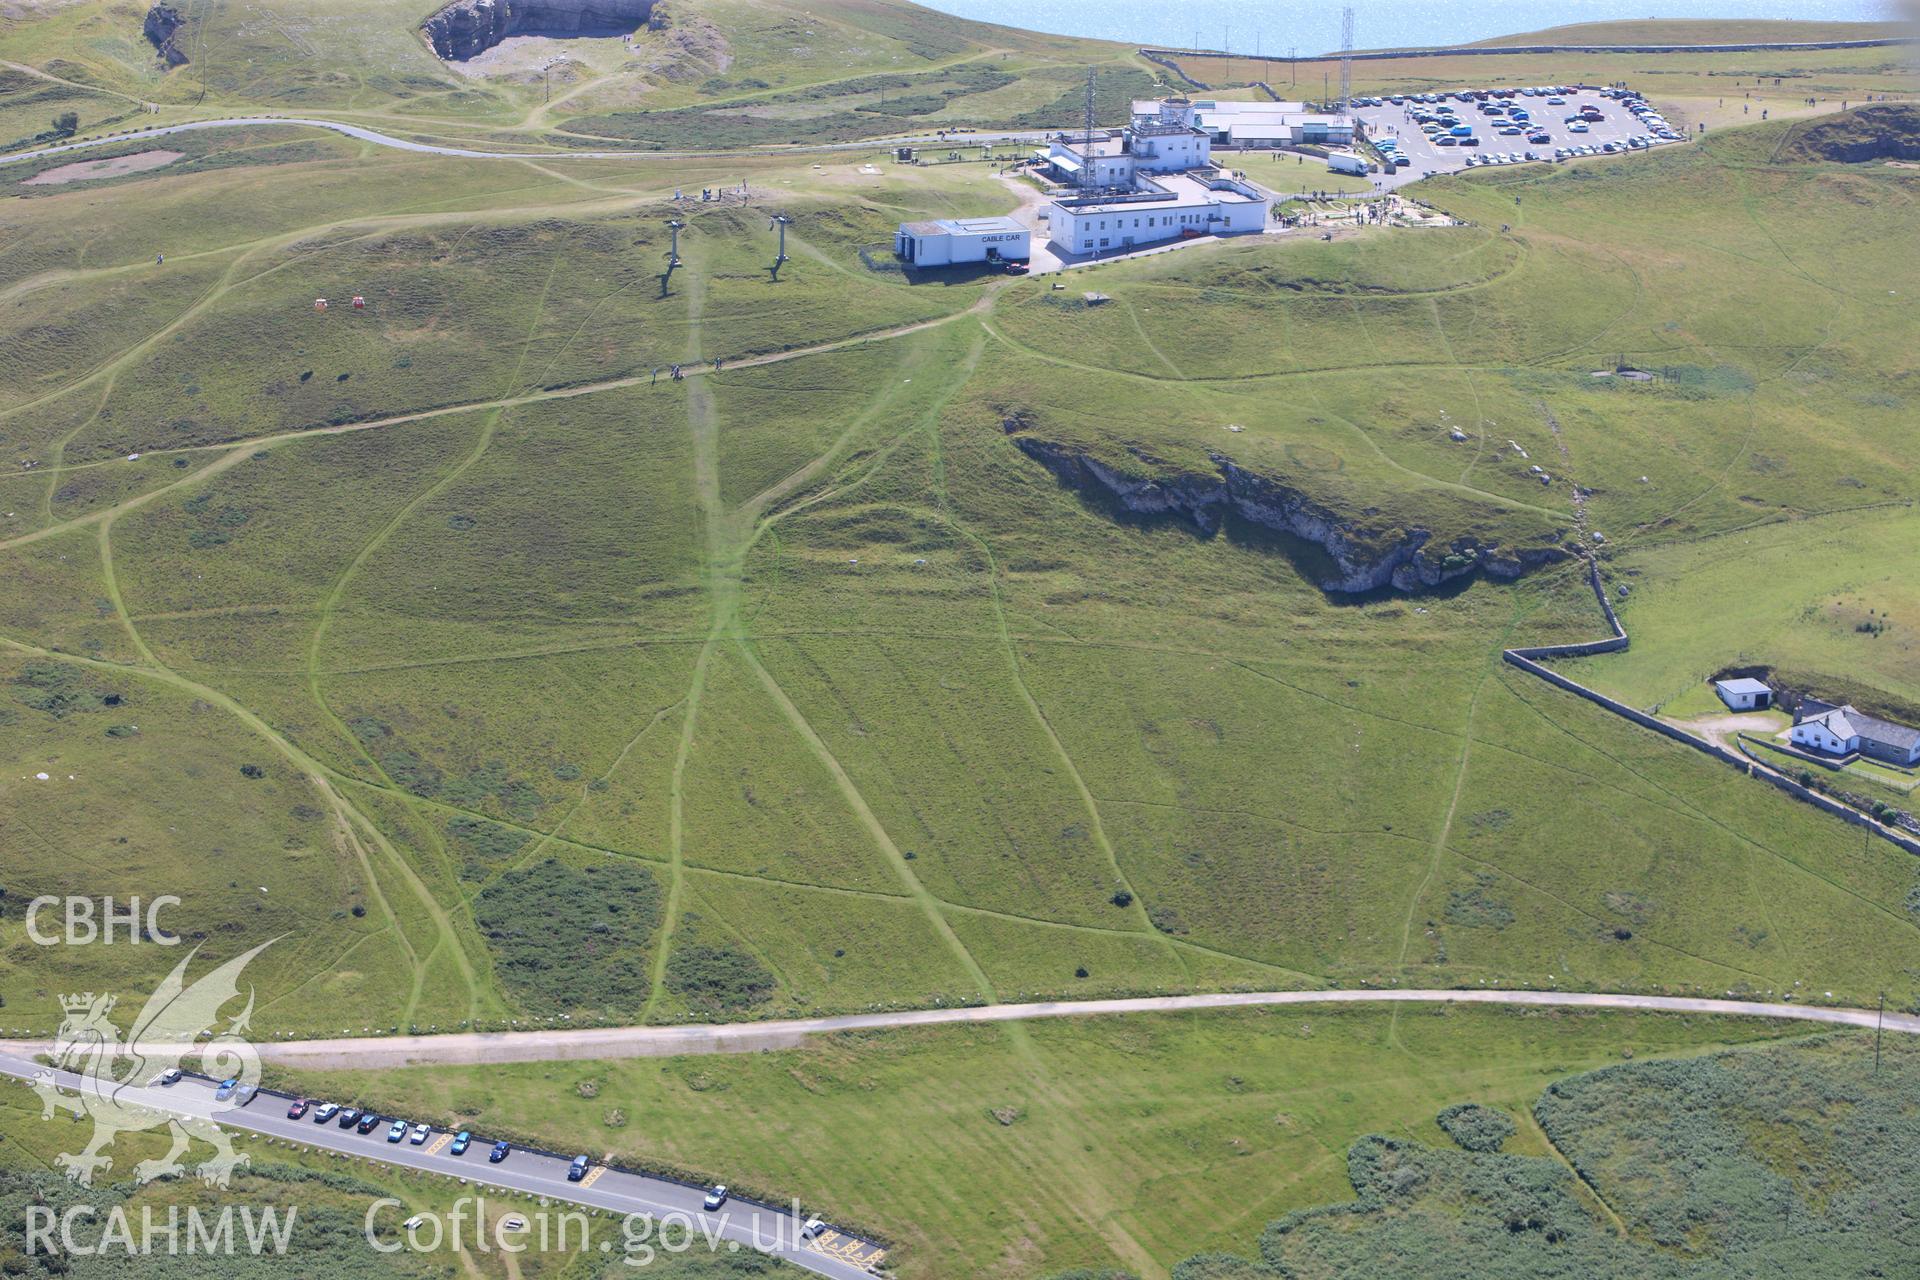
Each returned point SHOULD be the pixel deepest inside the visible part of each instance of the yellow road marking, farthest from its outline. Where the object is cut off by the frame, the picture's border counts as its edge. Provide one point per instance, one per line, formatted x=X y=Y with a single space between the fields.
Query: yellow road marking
x=593 y=1175
x=438 y=1143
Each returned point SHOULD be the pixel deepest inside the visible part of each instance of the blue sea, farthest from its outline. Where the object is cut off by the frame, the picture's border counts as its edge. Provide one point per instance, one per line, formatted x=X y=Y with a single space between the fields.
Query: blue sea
x=1272 y=27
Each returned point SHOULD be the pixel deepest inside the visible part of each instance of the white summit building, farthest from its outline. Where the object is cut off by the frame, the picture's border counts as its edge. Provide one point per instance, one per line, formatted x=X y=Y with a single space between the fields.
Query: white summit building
x=1154 y=180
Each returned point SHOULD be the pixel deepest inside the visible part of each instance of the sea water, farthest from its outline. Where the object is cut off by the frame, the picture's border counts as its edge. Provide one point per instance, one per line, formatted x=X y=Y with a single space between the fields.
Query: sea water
x=1273 y=27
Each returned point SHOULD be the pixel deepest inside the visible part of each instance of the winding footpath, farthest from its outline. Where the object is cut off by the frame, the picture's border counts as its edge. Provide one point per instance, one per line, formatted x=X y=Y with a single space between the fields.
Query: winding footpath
x=474 y=1048
x=429 y=148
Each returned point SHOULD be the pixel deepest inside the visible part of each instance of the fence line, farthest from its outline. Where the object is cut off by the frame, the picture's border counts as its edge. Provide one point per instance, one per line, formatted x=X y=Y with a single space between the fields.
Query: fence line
x=1528 y=660
x=1484 y=51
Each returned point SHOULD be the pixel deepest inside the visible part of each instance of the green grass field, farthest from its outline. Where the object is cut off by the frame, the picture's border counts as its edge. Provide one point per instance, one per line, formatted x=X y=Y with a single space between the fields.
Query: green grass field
x=1111 y=1142
x=877 y=711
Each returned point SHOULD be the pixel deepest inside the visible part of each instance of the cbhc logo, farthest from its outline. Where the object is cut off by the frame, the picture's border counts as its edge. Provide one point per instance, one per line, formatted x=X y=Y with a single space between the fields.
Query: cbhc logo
x=87 y=920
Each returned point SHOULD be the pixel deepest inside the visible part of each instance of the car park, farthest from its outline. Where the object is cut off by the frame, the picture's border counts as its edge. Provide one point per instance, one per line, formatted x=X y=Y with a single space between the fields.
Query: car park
x=325 y=1112
x=419 y=1134
x=297 y=1108
x=499 y=1152
x=368 y=1123
x=460 y=1141
x=224 y=1089
x=716 y=1197
x=396 y=1131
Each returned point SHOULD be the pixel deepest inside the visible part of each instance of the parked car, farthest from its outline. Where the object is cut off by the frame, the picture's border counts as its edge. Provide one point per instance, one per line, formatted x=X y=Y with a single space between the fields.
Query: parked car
x=578 y=1169
x=170 y=1076
x=325 y=1112
x=349 y=1117
x=224 y=1089
x=396 y=1131
x=811 y=1228
x=716 y=1197
x=460 y=1142
x=419 y=1134
x=245 y=1094
x=499 y=1152
x=368 y=1123
x=297 y=1108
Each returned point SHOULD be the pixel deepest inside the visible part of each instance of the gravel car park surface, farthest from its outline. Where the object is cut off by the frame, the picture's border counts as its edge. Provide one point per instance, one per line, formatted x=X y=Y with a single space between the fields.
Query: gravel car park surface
x=740 y=1225
x=1395 y=121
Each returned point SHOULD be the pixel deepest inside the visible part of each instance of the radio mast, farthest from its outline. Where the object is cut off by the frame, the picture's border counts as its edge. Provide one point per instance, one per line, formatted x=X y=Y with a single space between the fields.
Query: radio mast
x=1346 y=58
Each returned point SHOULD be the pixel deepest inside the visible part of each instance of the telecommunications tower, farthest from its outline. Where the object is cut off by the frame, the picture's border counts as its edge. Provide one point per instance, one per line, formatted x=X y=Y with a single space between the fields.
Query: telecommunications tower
x=1086 y=156
x=1346 y=57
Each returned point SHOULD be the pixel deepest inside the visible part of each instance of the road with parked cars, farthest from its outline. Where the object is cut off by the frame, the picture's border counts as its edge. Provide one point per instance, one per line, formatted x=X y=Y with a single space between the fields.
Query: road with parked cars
x=703 y=1213
x=1478 y=128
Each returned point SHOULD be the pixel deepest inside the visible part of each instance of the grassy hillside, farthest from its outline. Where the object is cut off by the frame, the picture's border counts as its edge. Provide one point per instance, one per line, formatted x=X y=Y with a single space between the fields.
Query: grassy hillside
x=936 y=641
x=1016 y=1152
x=703 y=73
x=1788 y=1159
x=857 y=701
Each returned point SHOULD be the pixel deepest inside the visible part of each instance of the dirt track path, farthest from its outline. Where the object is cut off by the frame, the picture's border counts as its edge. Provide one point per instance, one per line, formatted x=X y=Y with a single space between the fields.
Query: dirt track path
x=472 y=1048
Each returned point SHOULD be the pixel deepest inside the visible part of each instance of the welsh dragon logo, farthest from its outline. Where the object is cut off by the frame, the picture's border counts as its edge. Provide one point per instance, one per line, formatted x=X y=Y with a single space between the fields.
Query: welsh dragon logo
x=112 y=1074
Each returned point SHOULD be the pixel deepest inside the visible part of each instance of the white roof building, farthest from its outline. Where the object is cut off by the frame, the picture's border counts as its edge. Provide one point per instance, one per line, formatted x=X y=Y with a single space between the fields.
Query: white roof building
x=949 y=242
x=1153 y=181
x=1743 y=693
x=1845 y=730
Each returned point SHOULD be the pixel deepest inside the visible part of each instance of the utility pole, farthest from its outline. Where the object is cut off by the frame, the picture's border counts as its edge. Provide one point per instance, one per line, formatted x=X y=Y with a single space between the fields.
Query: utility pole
x=673 y=254
x=1878 y=1027
x=1293 y=61
x=780 y=220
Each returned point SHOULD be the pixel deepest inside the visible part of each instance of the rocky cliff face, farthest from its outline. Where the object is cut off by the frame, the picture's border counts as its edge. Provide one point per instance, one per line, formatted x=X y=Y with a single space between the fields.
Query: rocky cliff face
x=1883 y=131
x=1366 y=557
x=468 y=27
x=162 y=29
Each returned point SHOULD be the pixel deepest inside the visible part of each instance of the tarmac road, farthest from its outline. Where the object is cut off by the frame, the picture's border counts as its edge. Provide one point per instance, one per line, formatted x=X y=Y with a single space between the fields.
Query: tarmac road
x=429 y=148
x=474 y=1048
x=738 y=1225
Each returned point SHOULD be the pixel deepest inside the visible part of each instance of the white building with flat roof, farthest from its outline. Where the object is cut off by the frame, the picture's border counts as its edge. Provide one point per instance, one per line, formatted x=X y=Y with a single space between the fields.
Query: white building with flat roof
x=949 y=242
x=1153 y=181
x=1168 y=206
x=1255 y=125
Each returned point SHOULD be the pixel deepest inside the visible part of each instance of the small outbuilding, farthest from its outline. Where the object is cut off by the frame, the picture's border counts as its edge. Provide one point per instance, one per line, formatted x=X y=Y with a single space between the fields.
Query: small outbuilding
x=950 y=242
x=1744 y=694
